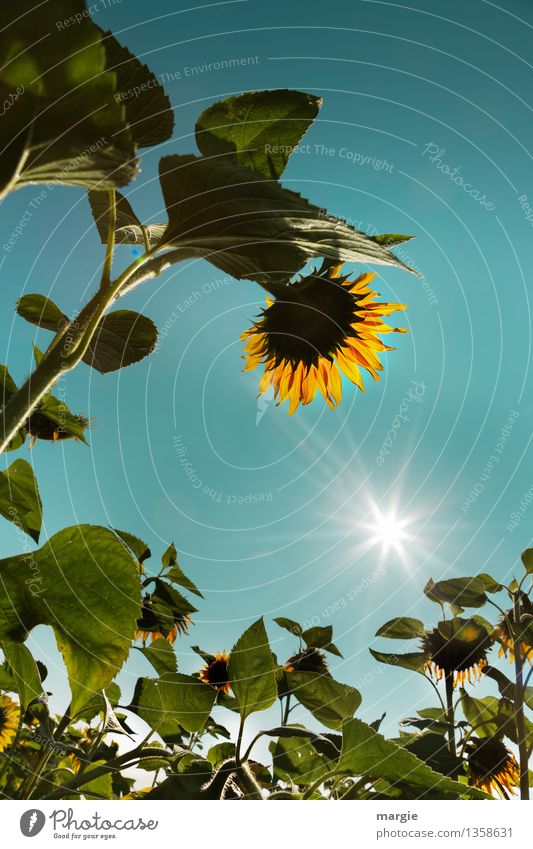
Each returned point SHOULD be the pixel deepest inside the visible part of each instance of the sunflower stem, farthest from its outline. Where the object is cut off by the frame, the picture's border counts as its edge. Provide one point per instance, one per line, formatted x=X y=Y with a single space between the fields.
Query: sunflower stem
x=450 y=713
x=239 y=741
x=110 y=245
x=519 y=704
x=287 y=710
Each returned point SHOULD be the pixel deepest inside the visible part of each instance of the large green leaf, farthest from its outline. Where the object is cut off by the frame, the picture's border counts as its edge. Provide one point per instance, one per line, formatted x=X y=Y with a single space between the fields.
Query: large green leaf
x=251 y=671
x=148 y=109
x=329 y=701
x=401 y=628
x=83 y=583
x=484 y=715
x=463 y=592
x=20 y=501
x=135 y=545
x=257 y=130
x=252 y=227
x=366 y=752
x=173 y=700
x=67 y=127
x=26 y=678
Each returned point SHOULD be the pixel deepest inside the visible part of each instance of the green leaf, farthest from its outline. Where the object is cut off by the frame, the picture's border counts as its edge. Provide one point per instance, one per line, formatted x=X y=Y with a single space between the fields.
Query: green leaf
x=26 y=678
x=122 y=338
x=40 y=311
x=251 y=671
x=250 y=227
x=173 y=700
x=297 y=761
x=148 y=109
x=135 y=545
x=401 y=628
x=366 y=752
x=96 y=704
x=219 y=753
x=289 y=625
x=161 y=655
x=20 y=501
x=175 y=574
x=329 y=701
x=320 y=638
x=66 y=127
x=189 y=784
x=490 y=584
x=482 y=714
x=416 y=661
x=465 y=592
x=128 y=228
x=258 y=129
x=527 y=560
x=85 y=585
x=389 y=240
x=505 y=686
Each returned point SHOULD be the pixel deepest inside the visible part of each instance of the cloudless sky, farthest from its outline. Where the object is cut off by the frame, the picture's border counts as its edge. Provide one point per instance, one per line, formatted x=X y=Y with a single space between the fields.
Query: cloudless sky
x=274 y=515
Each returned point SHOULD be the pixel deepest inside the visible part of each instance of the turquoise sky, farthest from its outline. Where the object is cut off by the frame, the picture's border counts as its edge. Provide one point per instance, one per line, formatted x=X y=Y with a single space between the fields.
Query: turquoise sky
x=415 y=98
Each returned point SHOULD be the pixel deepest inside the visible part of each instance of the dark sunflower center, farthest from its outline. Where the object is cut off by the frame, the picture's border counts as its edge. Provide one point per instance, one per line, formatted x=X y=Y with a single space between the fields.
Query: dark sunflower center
x=454 y=654
x=218 y=673
x=310 y=321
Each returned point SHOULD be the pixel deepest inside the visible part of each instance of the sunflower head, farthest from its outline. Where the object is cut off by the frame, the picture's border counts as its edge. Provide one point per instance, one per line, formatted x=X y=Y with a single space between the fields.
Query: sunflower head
x=310 y=660
x=154 y=625
x=9 y=720
x=492 y=766
x=215 y=672
x=457 y=647
x=508 y=640
x=40 y=426
x=322 y=326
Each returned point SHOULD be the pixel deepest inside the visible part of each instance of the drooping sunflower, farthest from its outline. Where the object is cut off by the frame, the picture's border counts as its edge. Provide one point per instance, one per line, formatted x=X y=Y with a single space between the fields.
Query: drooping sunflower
x=492 y=766
x=457 y=647
x=504 y=633
x=40 y=426
x=9 y=720
x=149 y=625
x=215 y=673
x=322 y=326
x=310 y=660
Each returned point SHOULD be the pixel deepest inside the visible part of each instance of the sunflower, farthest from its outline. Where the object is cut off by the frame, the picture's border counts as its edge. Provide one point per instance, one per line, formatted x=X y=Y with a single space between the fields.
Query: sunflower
x=181 y=626
x=503 y=633
x=39 y=426
x=323 y=325
x=215 y=672
x=492 y=766
x=149 y=626
x=310 y=660
x=457 y=647
x=9 y=720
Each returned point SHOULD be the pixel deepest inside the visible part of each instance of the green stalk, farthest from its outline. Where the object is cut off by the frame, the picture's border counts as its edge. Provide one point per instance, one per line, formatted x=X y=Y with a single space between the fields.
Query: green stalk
x=76 y=337
x=450 y=713
x=519 y=704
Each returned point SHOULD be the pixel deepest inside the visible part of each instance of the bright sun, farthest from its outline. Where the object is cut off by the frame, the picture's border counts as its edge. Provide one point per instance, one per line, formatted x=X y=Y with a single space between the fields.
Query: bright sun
x=389 y=531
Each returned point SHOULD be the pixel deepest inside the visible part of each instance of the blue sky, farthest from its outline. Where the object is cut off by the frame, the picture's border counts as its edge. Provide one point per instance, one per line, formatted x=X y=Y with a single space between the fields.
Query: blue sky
x=279 y=521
